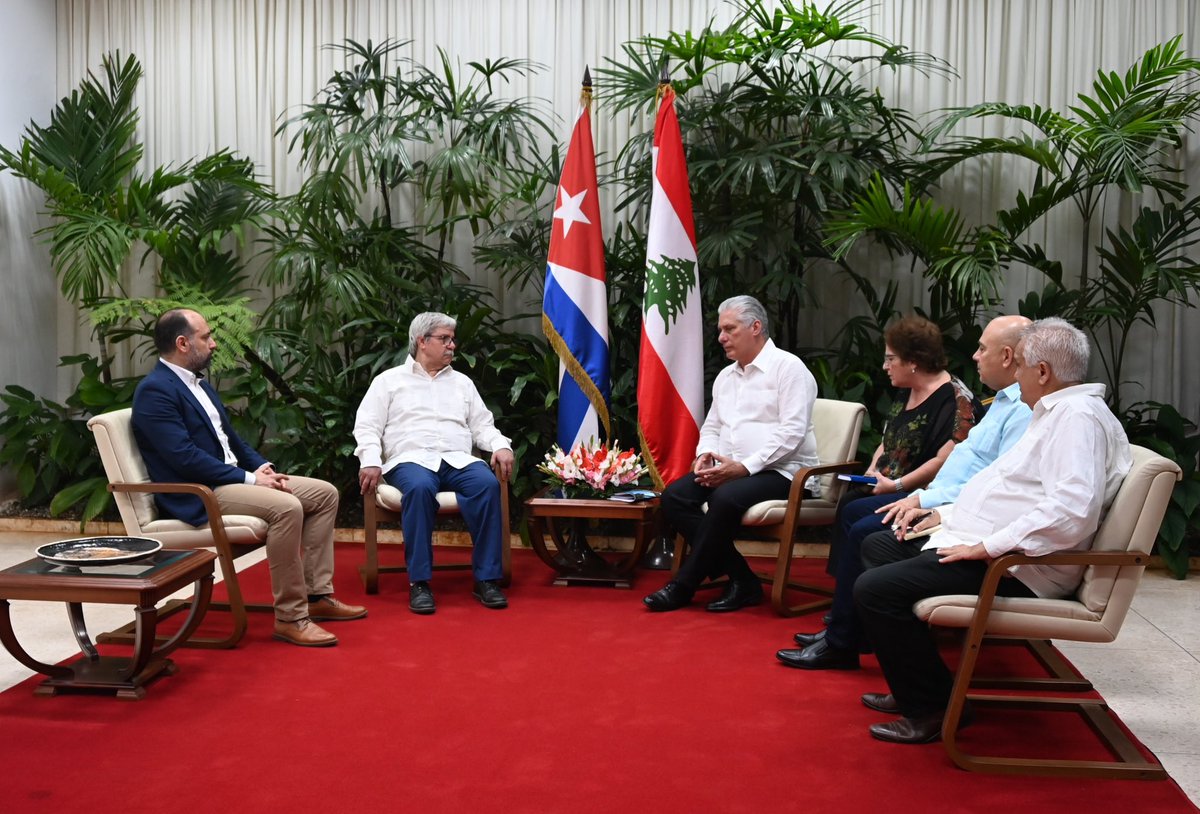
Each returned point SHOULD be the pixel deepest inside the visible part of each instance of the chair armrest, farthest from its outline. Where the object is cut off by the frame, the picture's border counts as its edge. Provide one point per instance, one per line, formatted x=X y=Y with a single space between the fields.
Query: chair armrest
x=796 y=494
x=826 y=469
x=999 y=567
x=211 y=507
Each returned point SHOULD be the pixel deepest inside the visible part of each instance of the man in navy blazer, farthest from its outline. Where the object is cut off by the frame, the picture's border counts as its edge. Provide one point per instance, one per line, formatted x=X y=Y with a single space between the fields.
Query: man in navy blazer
x=185 y=435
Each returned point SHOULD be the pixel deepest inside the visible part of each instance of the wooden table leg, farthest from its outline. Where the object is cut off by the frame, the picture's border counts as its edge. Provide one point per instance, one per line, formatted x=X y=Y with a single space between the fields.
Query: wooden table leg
x=79 y=626
x=202 y=595
x=9 y=639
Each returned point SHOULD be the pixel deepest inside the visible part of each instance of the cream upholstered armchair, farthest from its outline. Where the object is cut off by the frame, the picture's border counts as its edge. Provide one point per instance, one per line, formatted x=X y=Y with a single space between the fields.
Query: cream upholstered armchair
x=134 y=495
x=837 y=425
x=1114 y=566
x=383 y=506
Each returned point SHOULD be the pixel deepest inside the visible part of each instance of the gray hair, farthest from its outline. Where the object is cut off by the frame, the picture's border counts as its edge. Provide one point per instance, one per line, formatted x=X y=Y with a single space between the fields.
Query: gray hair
x=424 y=325
x=1059 y=344
x=747 y=309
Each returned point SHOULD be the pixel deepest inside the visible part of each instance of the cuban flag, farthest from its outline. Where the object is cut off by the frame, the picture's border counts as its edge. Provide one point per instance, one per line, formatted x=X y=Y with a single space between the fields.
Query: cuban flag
x=575 y=301
x=670 y=386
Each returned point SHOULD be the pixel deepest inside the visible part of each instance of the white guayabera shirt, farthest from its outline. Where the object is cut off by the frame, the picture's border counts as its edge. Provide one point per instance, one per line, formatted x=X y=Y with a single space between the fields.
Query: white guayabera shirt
x=1048 y=492
x=761 y=414
x=408 y=416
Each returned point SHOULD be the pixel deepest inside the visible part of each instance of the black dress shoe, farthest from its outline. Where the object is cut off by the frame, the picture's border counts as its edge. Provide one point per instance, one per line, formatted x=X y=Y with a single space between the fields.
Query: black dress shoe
x=926 y=729
x=489 y=594
x=819 y=656
x=881 y=702
x=420 y=598
x=738 y=595
x=669 y=597
x=805 y=639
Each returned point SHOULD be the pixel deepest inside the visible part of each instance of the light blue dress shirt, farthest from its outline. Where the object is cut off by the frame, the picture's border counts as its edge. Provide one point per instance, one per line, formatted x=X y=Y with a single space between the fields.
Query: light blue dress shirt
x=1004 y=423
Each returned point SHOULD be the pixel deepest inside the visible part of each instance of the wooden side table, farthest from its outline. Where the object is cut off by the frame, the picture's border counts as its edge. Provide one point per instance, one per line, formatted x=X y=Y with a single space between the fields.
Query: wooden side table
x=575 y=562
x=141 y=584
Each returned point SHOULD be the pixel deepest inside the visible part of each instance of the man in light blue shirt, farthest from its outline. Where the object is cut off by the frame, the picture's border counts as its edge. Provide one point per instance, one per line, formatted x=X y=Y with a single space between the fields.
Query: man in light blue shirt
x=837 y=647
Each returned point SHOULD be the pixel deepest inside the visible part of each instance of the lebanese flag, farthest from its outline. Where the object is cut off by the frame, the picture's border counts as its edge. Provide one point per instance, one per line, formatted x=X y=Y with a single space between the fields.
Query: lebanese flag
x=575 y=298
x=671 y=368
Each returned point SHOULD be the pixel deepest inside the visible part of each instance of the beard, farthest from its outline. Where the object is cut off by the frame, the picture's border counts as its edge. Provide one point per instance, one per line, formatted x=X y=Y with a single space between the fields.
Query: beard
x=200 y=362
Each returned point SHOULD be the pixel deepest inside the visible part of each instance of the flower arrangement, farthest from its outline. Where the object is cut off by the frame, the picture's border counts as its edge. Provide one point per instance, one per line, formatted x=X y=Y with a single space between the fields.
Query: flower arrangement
x=592 y=469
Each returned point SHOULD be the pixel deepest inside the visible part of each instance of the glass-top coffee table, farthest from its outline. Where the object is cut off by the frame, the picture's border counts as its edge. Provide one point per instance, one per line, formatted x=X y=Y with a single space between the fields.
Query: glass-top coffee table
x=142 y=584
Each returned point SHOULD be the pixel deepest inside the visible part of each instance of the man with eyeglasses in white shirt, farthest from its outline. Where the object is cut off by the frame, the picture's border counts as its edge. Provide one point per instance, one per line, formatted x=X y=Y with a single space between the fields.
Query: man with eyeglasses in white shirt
x=415 y=429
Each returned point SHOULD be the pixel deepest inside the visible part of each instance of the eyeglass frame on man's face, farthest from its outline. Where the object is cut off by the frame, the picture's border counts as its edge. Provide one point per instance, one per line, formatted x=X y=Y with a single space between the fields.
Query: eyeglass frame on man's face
x=445 y=339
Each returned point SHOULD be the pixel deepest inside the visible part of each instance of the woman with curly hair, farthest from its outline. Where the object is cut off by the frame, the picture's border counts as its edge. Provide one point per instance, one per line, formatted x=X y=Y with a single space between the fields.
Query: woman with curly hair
x=932 y=412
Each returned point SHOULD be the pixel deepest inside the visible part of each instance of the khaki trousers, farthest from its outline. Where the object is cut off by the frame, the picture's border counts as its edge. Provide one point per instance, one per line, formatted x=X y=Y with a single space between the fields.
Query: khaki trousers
x=299 y=537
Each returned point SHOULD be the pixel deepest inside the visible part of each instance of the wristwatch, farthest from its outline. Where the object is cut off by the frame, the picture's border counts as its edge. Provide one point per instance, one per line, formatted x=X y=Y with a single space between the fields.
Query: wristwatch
x=899 y=484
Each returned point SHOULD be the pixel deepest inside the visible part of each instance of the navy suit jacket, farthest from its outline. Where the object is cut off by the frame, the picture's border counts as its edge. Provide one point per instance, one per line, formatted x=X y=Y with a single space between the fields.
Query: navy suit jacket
x=179 y=445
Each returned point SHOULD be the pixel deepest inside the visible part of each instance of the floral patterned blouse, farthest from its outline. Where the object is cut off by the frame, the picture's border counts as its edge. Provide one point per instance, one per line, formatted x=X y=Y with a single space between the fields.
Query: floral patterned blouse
x=912 y=437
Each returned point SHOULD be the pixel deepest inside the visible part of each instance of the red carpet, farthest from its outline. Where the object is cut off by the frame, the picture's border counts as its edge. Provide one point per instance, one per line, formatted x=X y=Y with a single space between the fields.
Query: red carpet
x=572 y=700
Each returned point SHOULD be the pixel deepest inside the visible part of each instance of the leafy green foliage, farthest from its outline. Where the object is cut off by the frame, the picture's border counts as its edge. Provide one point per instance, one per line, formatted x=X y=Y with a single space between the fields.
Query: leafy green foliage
x=1124 y=138
x=780 y=131
x=353 y=272
x=1161 y=428
x=49 y=447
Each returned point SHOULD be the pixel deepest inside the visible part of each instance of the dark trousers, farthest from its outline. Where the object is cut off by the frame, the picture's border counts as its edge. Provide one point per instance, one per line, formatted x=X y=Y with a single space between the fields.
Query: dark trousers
x=905 y=645
x=710 y=534
x=845 y=631
x=855 y=519
x=478 y=500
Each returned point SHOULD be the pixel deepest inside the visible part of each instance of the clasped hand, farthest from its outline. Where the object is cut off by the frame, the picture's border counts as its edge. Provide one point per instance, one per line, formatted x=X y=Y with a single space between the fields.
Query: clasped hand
x=712 y=470
x=266 y=476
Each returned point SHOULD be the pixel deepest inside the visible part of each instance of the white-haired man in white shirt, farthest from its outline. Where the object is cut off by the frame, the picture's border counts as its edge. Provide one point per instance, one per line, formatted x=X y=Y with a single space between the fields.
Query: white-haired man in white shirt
x=1047 y=493
x=757 y=435
x=415 y=429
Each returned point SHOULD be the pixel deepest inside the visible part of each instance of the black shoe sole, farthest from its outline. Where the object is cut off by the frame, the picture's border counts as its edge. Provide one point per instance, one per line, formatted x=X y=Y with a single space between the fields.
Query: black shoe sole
x=422 y=611
x=492 y=605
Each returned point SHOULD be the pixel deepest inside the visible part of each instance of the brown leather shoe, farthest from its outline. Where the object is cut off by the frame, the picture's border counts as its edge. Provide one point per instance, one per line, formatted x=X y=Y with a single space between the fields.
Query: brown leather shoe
x=305 y=633
x=330 y=609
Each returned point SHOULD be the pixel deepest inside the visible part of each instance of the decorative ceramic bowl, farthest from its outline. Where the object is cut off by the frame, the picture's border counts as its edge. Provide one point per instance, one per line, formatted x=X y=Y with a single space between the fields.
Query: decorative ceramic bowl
x=90 y=551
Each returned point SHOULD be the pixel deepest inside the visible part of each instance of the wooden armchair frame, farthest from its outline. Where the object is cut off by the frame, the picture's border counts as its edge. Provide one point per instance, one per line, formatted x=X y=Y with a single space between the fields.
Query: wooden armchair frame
x=1094 y=614
x=375 y=514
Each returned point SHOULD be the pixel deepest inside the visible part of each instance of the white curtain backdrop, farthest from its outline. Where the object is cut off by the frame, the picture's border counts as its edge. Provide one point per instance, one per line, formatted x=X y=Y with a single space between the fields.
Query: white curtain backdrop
x=221 y=73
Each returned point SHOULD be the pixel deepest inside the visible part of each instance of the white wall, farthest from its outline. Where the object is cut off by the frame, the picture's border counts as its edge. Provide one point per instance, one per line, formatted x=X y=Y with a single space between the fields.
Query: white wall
x=28 y=340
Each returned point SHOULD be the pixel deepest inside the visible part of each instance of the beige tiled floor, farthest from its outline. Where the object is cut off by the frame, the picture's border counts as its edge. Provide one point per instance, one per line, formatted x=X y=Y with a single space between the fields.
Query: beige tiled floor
x=1150 y=675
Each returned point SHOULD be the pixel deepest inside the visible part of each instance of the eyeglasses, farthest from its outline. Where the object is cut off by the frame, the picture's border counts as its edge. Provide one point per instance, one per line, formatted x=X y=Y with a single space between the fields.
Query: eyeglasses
x=445 y=339
x=889 y=358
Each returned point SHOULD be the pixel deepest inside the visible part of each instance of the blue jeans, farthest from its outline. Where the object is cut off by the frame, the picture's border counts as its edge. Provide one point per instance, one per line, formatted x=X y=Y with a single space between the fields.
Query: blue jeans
x=478 y=500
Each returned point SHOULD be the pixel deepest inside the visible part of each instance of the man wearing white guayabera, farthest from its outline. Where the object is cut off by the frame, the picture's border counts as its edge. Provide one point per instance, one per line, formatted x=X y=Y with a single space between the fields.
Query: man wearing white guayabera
x=415 y=429
x=757 y=435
